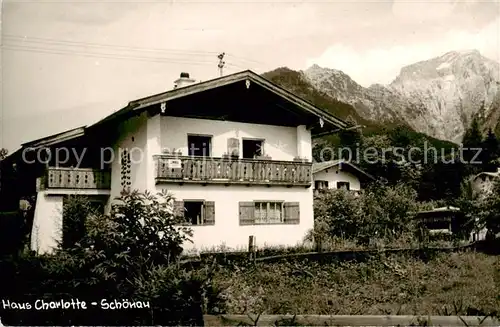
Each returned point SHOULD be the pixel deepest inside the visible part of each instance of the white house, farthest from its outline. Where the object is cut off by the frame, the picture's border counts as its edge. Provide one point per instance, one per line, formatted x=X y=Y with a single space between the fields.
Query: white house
x=235 y=152
x=483 y=182
x=338 y=174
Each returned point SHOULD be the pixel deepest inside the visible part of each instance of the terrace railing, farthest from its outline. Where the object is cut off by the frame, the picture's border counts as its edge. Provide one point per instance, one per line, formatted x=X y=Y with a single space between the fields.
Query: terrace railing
x=205 y=170
x=77 y=178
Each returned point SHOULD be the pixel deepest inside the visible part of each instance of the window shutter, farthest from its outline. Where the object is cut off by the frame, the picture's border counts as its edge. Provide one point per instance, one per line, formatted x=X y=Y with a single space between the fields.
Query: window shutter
x=233 y=146
x=292 y=213
x=179 y=209
x=209 y=213
x=247 y=213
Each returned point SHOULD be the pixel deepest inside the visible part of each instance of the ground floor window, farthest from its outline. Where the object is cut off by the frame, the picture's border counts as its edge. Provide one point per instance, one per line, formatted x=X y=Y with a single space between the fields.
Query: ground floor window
x=268 y=212
x=196 y=212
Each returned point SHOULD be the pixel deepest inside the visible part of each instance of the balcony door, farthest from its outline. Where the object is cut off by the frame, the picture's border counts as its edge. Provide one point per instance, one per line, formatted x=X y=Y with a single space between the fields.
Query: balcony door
x=199 y=145
x=252 y=148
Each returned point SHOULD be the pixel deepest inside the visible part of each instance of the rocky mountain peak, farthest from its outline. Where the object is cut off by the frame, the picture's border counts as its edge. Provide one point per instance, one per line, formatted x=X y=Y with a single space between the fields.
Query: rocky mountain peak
x=438 y=96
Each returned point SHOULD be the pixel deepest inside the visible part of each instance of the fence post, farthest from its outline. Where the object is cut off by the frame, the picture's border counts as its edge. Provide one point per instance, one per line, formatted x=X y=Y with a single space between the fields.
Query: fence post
x=251 y=248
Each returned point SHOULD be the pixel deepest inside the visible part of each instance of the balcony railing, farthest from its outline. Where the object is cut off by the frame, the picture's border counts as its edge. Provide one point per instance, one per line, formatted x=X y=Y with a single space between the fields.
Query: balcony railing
x=204 y=170
x=77 y=178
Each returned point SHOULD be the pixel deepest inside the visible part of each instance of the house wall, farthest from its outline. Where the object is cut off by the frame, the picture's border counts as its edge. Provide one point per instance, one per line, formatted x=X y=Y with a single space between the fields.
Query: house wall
x=133 y=138
x=334 y=175
x=152 y=134
x=227 y=231
x=281 y=143
x=46 y=231
x=483 y=186
x=47 y=222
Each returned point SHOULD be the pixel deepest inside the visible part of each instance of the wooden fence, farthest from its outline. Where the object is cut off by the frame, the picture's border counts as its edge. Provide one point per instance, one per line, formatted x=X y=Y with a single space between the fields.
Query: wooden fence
x=318 y=320
x=424 y=253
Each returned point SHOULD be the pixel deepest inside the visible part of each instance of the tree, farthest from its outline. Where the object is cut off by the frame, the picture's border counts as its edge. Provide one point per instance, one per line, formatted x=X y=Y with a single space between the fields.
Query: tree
x=471 y=206
x=351 y=139
x=490 y=152
x=473 y=139
x=3 y=153
x=141 y=226
x=491 y=215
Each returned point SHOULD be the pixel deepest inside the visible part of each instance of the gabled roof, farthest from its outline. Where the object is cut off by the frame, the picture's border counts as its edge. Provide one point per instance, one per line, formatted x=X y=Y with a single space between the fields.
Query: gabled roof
x=56 y=138
x=320 y=166
x=489 y=174
x=141 y=104
x=441 y=209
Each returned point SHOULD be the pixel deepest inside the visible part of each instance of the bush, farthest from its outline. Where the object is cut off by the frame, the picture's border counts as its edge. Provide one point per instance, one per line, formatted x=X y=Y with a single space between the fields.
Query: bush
x=480 y=210
x=130 y=254
x=380 y=212
x=76 y=210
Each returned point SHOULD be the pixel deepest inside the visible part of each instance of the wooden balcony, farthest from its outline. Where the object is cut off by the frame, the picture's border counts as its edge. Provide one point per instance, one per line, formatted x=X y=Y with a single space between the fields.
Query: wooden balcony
x=76 y=178
x=208 y=170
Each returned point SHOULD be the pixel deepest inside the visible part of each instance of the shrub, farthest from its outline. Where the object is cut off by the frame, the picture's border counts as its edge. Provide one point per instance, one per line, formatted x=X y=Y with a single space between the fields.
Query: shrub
x=492 y=209
x=129 y=254
x=380 y=212
x=337 y=213
x=76 y=210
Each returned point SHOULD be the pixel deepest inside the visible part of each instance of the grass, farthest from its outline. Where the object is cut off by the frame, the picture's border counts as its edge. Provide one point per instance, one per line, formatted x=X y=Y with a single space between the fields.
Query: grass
x=449 y=284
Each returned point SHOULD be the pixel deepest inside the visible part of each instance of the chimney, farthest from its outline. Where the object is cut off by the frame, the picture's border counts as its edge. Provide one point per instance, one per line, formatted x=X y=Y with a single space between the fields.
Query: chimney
x=184 y=80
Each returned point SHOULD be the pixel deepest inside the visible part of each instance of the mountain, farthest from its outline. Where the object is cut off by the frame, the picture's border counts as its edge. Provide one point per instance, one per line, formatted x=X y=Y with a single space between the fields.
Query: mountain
x=300 y=84
x=438 y=97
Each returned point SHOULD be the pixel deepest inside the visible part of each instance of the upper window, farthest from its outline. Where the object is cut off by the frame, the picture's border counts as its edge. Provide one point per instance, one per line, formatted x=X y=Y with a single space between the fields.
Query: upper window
x=253 y=148
x=344 y=185
x=320 y=185
x=199 y=145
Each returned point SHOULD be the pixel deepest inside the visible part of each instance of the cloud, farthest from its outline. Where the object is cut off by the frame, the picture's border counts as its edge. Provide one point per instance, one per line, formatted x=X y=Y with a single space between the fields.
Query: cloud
x=382 y=65
x=422 y=10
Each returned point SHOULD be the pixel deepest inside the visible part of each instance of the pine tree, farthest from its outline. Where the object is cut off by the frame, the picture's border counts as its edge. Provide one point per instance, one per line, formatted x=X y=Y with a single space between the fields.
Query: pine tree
x=473 y=136
x=472 y=141
x=351 y=139
x=490 y=152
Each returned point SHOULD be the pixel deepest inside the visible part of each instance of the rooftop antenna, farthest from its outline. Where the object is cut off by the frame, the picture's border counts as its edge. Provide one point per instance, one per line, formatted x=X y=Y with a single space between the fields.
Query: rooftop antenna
x=221 y=63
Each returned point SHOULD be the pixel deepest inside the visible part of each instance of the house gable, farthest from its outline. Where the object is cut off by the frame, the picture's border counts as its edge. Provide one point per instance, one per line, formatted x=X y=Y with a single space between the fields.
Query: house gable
x=344 y=165
x=241 y=97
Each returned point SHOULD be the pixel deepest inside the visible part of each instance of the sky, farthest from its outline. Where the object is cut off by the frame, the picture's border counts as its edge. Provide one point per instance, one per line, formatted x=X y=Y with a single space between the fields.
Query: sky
x=65 y=64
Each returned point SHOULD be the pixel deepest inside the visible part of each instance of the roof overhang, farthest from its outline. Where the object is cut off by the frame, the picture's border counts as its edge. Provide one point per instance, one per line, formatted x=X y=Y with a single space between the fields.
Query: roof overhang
x=489 y=174
x=55 y=138
x=443 y=210
x=318 y=121
x=323 y=122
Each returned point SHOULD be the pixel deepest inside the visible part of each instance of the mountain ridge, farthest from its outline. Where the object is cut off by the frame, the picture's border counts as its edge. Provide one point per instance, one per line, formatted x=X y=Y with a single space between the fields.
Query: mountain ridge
x=297 y=83
x=439 y=96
